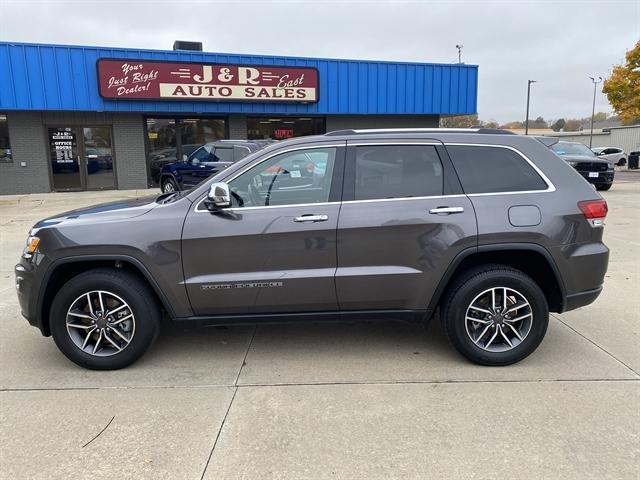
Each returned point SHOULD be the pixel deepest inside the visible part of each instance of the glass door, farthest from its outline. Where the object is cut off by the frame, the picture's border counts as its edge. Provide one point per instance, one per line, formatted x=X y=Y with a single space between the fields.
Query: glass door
x=65 y=160
x=98 y=158
x=81 y=158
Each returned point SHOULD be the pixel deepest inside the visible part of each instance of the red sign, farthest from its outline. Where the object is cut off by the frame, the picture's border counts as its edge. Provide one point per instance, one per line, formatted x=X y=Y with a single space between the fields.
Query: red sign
x=149 y=80
x=282 y=133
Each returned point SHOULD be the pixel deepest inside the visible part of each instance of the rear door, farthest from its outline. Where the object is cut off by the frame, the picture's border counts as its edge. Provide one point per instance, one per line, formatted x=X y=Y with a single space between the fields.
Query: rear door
x=403 y=220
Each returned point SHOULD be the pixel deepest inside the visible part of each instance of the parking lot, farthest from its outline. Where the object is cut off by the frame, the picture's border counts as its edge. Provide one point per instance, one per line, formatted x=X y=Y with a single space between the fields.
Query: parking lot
x=361 y=400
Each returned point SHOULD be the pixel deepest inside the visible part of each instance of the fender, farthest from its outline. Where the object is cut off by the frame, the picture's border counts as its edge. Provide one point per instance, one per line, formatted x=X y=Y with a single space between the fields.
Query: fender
x=442 y=285
x=87 y=258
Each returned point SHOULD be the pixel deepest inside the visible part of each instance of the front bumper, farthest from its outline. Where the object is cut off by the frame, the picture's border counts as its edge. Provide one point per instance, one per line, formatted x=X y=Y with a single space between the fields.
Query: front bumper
x=603 y=178
x=28 y=290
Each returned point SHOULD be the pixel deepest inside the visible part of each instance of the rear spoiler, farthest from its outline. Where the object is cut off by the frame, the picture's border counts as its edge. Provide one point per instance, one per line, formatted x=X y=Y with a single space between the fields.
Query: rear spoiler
x=548 y=141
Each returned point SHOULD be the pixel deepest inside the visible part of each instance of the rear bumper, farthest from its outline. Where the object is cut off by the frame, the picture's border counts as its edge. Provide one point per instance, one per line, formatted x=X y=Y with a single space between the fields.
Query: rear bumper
x=580 y=299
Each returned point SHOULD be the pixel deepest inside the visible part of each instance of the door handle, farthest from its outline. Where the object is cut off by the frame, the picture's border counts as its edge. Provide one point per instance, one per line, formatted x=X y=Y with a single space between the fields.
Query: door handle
x=311 y=218
x=446 y=210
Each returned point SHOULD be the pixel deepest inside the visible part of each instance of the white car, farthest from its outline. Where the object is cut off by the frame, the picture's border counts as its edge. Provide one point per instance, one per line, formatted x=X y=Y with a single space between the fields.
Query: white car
x=617 y=156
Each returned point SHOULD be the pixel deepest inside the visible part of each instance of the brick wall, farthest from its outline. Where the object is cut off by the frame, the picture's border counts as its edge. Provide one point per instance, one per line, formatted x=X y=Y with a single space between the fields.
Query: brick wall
x=27 y=139
x=237 y=127
x=128 y=140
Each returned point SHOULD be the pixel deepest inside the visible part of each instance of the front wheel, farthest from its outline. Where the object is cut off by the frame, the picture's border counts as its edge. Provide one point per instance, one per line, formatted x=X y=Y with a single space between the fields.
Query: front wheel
x=169 y=185
x=495 y=315
x=104 y=319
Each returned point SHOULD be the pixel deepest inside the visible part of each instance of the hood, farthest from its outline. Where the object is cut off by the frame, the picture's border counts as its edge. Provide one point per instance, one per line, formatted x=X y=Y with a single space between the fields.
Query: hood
x=104 y=212
x=583 y=158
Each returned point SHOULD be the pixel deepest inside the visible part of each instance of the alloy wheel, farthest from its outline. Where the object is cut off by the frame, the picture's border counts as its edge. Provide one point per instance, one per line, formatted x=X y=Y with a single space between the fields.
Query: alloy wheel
x=168 y=188
x=498 y=319
x=100 y=323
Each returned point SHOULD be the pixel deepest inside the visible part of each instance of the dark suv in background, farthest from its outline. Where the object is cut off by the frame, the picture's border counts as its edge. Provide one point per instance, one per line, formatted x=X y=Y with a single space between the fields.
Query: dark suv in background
x=205 y=161
x=596 y=170
x=490 y=229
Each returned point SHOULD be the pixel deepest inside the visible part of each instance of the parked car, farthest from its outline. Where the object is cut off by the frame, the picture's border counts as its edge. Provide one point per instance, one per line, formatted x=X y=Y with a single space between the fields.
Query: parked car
x=203 y=162
x=615 y=155
x=489 y=229
x=160 y=158
x=595 y=170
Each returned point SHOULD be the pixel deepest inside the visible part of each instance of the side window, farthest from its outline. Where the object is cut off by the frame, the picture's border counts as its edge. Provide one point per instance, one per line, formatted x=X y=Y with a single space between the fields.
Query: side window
x=397 y=171
x=223 y=155
x=493 y=170
x=301 y=176
x=201 y=155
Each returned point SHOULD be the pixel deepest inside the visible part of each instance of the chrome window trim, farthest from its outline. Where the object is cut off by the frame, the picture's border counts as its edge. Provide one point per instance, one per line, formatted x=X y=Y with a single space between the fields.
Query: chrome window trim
x=550 y=186
x=273 y=154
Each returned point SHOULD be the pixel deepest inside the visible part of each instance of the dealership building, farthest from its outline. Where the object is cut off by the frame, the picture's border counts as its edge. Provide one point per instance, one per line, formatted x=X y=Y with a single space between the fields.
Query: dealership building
x=91 y=118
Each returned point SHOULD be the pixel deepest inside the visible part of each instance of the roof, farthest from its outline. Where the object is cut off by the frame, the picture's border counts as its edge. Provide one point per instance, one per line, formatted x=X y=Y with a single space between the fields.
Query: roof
x=63 y=77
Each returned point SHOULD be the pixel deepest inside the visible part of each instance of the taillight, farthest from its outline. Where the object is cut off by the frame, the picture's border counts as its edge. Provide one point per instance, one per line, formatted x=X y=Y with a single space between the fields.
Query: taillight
x=594 y=211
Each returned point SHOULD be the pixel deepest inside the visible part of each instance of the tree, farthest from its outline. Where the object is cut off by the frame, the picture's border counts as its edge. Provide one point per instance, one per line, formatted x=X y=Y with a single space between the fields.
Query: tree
x=538 y=123
x=491 y=124
x=513 y=125
x=558 y=125
x=460 y=121
x=622 y=88
x=572 y=125
x=600 y=117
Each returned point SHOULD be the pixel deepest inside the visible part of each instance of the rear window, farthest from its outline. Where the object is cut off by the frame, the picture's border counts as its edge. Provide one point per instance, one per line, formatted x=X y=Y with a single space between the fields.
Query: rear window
x=493 y=170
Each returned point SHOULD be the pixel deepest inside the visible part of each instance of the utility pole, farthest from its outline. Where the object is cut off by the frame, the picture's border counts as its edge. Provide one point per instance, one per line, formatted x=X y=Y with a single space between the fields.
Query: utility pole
x=459 y=47
x=593 y=107
x=526 y=120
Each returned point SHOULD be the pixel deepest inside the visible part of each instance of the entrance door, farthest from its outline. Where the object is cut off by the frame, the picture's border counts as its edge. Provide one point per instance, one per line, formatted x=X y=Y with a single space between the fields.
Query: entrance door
x=81 y=158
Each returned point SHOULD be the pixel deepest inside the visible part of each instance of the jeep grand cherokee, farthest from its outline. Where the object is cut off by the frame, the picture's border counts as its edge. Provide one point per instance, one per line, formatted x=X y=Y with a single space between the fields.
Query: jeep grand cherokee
x=489 y=228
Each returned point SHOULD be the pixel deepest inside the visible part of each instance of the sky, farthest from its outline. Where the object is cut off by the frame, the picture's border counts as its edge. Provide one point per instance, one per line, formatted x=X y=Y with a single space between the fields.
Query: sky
x=557 y=43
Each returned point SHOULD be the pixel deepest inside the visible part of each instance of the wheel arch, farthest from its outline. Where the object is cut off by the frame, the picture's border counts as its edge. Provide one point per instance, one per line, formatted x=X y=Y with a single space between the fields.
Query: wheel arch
x=64 y=269
x=530 y=258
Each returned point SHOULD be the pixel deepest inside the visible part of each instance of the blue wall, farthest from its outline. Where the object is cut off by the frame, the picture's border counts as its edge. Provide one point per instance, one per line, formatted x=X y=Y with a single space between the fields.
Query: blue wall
x=56 y=77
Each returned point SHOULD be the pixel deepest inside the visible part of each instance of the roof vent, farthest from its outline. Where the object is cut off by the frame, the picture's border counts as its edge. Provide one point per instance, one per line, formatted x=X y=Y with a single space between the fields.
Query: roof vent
x=183 y=45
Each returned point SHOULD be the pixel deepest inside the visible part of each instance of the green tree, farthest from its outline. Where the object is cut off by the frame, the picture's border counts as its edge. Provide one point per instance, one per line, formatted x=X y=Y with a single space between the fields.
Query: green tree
x=558 y=125
x=622 y=88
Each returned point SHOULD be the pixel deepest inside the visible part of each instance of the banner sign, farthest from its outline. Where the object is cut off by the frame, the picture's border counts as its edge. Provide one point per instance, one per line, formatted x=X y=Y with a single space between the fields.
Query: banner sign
x=153 y=80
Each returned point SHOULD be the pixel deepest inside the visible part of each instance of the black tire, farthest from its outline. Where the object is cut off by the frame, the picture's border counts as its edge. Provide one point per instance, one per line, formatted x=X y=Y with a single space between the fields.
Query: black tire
x=622 y=162
x=467 y=287
x=604 y=187
x=139 y=297
x=169 y=185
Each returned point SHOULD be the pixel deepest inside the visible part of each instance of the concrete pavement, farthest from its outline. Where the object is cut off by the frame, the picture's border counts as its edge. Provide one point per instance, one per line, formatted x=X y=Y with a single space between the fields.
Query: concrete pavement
x=363 y=400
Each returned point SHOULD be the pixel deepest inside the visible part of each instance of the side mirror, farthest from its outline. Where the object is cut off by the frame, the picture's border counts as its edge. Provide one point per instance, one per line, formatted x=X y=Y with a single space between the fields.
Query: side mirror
x=218 y=197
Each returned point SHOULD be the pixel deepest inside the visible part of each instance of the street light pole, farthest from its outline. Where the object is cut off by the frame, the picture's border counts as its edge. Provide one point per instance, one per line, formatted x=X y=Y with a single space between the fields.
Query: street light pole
x=459 y=47
x=526 y=120
x=593 y=107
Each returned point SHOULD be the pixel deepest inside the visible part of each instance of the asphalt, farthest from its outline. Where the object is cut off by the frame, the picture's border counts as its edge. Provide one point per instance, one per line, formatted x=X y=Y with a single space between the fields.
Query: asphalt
x=313 y=401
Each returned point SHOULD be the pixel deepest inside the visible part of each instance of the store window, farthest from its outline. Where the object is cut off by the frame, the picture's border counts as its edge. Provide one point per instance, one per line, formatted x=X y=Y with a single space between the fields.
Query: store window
x=171 y=139
x=264 y=128
x=5 y=146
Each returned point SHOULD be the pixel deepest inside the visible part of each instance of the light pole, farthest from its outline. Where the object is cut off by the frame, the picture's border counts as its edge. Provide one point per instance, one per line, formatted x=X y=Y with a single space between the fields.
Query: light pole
x=526 y=120
x=593 y=107
x=459 y=47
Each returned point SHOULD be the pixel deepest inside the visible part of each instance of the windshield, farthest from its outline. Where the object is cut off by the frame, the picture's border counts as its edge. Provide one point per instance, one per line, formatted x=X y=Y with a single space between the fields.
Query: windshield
x=568 y=148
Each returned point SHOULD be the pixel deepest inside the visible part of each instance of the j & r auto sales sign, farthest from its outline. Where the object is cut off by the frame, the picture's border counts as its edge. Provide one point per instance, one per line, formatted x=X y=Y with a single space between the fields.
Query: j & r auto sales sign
x=148 y=80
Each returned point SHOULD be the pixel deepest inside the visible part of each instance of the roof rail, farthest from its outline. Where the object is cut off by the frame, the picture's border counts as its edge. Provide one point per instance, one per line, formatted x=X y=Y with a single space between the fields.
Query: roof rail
x=366 y=131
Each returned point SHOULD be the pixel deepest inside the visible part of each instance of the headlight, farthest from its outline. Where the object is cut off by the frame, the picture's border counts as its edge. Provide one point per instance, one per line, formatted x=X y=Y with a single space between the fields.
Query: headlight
x=32 y=245
x=572 y=163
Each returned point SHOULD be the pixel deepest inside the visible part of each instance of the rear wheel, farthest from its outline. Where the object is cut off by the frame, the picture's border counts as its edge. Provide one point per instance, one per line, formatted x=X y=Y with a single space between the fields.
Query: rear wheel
x=169 y=185
x=495 y=315
x=622 y=162
x=604 y=186
x=104 y=319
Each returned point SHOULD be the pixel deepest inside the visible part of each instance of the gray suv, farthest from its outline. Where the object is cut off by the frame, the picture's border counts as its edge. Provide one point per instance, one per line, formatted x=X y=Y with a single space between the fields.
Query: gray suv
x=489 y=229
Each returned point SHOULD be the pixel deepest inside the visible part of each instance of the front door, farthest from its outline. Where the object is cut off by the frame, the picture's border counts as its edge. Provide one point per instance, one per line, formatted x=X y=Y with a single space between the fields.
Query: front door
x=81 y=158
x=402 y=222
x=274 y=250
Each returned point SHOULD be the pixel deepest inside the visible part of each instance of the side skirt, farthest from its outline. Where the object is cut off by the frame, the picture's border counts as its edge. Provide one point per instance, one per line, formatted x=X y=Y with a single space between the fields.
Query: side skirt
x=280 y=318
